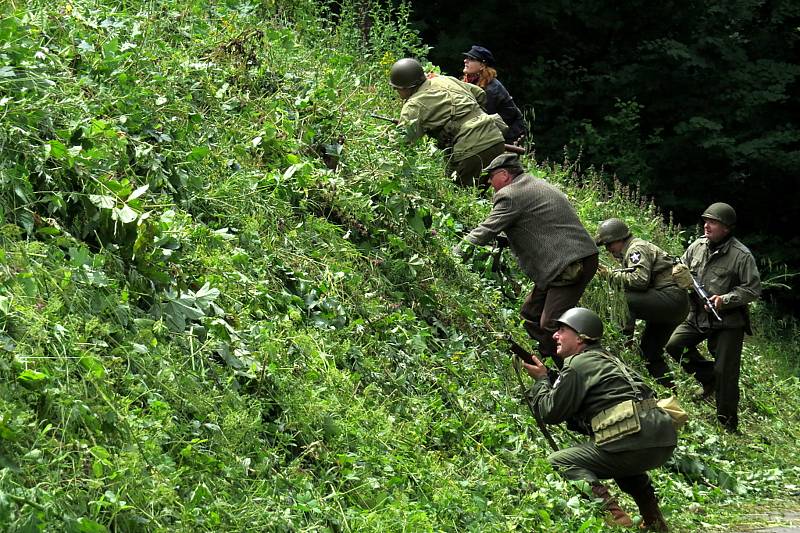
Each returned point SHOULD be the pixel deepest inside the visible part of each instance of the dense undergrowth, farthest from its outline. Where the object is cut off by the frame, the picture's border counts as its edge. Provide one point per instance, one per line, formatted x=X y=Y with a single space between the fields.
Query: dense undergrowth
x=204 y=327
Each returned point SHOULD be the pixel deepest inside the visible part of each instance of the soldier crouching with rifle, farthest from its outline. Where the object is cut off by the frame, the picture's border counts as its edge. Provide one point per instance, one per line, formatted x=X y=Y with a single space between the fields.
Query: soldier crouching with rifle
x=650 y=292
x=597 y=395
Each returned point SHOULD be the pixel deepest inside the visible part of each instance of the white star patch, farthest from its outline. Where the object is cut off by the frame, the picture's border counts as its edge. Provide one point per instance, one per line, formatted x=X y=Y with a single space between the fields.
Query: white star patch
x=634 y=258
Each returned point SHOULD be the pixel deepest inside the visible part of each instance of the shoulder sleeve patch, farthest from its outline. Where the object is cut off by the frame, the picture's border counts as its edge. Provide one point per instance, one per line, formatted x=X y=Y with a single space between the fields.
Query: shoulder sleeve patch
x=634 y=258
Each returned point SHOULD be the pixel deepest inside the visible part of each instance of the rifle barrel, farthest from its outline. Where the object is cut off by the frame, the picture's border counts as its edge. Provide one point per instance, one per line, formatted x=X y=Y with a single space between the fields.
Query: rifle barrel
x=386 y=119
x=539 y=422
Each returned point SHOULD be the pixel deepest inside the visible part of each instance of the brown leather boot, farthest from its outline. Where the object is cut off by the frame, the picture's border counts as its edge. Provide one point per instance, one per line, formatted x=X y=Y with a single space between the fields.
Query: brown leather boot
x=617 y=515
x=646 y=501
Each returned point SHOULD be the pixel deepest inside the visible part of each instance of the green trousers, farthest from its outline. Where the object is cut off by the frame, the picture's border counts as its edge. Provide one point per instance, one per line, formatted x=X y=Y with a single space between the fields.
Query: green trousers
x=468 y=171
x=590 y=463
x=723 y=372
x=662 y=311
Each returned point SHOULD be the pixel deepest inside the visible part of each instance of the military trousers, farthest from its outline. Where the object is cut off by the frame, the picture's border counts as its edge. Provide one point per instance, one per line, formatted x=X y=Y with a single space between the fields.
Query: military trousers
x=543 y=307
x=589 y=462
x=723 y=372
x=662 y=311
x=468 y=171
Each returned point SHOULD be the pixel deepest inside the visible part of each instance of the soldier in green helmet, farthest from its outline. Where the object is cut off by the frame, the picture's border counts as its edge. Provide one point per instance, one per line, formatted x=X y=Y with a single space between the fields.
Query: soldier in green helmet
x=451 y=111
x=597 y=395
x=728 y=271
x=651 y=293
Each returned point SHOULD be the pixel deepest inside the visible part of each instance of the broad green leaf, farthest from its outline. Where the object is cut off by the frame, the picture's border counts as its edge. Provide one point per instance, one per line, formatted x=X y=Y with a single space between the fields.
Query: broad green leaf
x=198 y=153
x=87 y=525
x=205 y=295
x=103 y=201
x=56 y=150
x=124 y=214
x=418 y=225
x=138 y=192
x=93 y=365
x=100 y=452
x=79 y=256
x=32 y=378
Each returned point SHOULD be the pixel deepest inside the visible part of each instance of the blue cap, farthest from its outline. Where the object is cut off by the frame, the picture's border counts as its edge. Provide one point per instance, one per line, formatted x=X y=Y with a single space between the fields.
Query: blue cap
x=481 y=54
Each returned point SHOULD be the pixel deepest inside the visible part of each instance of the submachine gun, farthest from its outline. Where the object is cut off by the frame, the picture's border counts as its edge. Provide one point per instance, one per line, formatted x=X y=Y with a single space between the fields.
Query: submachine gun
x=521 y=353
x=697 y=287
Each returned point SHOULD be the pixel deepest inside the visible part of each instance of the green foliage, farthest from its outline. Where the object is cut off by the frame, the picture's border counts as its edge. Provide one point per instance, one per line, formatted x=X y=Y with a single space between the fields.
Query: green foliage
x=204 y=327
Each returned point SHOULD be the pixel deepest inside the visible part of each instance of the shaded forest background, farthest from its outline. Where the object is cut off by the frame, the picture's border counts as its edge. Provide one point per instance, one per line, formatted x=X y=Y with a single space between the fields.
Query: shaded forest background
x=693 y=102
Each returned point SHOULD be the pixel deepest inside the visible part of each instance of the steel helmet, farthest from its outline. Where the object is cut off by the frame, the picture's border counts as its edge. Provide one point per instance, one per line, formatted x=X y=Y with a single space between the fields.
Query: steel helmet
x=406 y=73
x=721 y=212
x=584 y=321
x=611 y=230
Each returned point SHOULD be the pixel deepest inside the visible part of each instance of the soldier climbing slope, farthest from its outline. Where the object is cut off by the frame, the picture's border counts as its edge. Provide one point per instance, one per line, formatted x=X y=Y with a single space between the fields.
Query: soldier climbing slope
x=651 y=293
x=451 y=111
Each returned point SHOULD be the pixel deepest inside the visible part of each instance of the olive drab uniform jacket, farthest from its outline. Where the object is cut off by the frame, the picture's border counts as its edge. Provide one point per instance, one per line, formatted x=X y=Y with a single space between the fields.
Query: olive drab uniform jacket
x=652 y=266
x=592 y=381
x=729 y=270
x=451 y=111
x=543 y=229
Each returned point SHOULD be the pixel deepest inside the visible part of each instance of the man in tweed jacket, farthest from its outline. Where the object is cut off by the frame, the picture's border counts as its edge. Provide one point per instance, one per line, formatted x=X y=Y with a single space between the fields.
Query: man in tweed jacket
x=550 y=243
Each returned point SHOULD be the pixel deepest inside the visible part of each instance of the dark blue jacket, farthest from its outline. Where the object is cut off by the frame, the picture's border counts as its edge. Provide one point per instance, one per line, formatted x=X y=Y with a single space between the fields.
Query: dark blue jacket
x=499 y=101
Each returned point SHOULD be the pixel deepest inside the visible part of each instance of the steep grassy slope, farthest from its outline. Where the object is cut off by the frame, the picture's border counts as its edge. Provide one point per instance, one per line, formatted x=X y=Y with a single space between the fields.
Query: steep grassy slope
x=203 y=327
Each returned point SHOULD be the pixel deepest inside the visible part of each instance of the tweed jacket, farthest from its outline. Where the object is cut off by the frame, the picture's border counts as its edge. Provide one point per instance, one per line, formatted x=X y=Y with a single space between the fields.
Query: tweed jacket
x=542 y=227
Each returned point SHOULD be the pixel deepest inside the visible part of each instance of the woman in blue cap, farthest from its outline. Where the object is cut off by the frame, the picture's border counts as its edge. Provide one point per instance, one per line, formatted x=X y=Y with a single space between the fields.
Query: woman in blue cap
x=479 y=70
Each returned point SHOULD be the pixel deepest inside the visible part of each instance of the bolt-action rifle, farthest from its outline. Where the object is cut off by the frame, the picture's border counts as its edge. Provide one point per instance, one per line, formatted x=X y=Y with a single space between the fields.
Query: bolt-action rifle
x=701 y=293
x=521 y=353
x=513 y=148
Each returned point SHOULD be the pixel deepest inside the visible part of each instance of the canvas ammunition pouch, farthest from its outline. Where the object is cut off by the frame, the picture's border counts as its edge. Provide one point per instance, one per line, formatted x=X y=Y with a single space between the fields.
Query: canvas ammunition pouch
x=681 y=276
x=446 y=135
x=619 y=421
x=674 y=410
x=570 y=274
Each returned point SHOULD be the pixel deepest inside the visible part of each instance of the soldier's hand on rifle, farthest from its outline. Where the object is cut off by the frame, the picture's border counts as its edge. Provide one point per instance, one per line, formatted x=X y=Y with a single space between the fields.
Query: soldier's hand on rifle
x=603 y=271
x=536 y=370
x=716 y=299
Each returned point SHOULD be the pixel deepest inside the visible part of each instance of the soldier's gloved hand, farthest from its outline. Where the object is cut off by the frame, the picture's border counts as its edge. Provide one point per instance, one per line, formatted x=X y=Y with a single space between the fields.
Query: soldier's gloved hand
x=603 y=271
x=502 y=241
